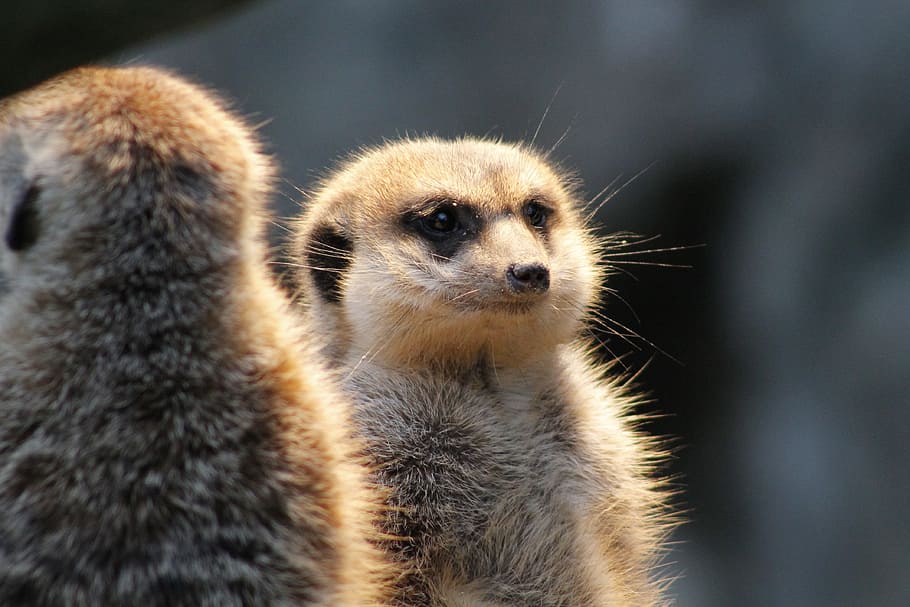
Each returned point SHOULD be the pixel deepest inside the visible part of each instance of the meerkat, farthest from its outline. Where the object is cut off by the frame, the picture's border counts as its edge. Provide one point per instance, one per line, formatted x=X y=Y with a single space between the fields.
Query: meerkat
x=453 y=280
x=166 y=436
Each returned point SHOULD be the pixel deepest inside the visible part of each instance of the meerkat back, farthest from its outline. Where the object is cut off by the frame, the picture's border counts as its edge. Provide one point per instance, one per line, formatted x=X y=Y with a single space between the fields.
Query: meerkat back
x=165 y=438
x=453 y=280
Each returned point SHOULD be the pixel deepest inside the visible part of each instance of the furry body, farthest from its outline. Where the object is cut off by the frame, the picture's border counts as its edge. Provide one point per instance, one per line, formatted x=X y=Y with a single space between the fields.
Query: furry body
x=452 y=280
x=164 y=437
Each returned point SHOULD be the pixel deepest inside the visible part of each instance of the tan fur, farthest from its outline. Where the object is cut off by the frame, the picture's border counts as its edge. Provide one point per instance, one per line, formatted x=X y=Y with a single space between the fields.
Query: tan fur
x=166 y=437
x=517 y=477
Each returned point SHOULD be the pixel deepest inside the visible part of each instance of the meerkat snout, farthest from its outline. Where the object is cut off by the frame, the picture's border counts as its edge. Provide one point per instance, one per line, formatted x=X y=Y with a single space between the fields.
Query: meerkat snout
x=528 y=277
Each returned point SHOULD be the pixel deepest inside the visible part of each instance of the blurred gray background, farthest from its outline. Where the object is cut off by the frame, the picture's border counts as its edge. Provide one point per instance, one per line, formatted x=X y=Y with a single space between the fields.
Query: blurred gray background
x=775 y=134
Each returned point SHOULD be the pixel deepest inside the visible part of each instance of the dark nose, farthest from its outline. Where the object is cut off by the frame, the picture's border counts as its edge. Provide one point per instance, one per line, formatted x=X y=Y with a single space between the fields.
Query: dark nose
x=528 y=277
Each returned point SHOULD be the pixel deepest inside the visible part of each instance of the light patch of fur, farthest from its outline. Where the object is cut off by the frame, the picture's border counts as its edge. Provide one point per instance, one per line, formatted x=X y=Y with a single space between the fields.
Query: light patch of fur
x=517 y=476
x=166 y=436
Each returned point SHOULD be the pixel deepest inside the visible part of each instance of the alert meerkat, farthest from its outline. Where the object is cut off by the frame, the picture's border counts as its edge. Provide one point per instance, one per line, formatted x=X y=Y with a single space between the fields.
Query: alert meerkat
x=165 y=438
x=452 y=280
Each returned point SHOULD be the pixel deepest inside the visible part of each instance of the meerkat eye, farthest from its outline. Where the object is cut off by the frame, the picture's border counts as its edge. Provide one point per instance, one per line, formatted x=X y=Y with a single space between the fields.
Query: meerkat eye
x=443 y=224
x=442 y=220
x=536 y=213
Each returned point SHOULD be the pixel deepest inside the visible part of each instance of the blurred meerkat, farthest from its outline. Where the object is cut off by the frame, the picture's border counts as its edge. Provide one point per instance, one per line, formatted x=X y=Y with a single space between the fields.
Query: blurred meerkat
x=452 y=280
x=165 y=438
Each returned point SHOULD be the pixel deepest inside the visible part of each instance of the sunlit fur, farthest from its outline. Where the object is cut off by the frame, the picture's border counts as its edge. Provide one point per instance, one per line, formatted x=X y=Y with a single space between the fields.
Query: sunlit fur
x=517 y=476
x=165 y=436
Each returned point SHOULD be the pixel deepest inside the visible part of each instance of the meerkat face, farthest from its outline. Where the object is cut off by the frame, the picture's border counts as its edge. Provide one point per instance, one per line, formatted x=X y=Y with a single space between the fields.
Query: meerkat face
x=431 y=249
x=477 y=260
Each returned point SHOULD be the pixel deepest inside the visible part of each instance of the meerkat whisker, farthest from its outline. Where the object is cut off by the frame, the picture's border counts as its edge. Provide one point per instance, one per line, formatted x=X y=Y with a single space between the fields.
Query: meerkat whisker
x=615 y=193
x=465 y=294
x=648 y=251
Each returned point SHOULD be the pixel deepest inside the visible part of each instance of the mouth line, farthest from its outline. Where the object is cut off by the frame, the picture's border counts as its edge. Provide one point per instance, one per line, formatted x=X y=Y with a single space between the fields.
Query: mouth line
x=513 y=305
x=474 y=301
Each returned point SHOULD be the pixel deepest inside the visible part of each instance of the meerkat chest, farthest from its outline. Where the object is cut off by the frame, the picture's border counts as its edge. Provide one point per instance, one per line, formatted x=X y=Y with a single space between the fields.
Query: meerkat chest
x=461 y=453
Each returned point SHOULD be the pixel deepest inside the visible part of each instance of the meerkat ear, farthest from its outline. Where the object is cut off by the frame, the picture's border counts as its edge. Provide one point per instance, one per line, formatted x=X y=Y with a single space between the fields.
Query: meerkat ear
x=328 y=256
x=24 y=224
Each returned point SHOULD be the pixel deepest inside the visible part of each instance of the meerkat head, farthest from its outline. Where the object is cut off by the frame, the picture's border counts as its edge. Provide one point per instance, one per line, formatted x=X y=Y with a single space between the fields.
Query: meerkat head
x=433 y=251
x=118 y=169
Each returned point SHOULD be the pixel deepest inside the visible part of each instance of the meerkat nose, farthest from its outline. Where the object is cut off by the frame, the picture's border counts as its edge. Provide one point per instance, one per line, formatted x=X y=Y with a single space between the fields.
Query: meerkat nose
x=528 y=277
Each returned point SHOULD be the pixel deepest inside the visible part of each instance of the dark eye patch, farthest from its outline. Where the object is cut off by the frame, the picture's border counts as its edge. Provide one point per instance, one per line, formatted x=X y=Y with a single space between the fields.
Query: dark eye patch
x=444 y=224
x=328 y=256
x=537 y=213
x=24 y=225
